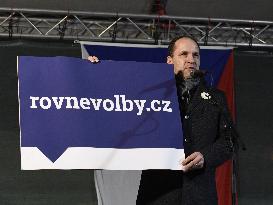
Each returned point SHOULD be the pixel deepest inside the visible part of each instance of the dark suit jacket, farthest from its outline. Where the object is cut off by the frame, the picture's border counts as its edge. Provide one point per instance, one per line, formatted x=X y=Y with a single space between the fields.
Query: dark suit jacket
x=205 y=130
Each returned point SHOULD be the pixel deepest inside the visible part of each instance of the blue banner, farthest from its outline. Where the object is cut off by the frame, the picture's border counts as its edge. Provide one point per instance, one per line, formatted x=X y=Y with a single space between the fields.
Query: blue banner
x=213 y=59
x=72 y=103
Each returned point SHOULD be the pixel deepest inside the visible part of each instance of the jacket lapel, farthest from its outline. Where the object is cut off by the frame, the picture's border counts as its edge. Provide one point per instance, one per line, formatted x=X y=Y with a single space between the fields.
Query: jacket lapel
x=196 y=99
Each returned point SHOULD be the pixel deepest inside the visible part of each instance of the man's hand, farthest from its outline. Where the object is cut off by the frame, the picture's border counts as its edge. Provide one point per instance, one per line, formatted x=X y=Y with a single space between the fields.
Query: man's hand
x=93 y=59
x=194 y=161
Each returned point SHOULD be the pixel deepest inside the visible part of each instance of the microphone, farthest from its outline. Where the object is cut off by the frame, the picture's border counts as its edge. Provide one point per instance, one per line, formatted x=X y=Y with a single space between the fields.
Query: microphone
x=198 y=73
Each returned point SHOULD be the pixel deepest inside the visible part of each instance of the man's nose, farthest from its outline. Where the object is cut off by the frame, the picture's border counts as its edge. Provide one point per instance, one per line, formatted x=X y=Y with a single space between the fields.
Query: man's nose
x=190 y=58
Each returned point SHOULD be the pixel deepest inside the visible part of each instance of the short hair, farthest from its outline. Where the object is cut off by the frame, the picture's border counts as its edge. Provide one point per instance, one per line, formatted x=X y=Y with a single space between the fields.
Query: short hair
x=173 y=41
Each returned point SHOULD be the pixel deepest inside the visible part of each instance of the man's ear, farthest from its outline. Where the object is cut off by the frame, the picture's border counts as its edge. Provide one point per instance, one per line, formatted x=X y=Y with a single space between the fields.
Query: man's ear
x=169 y=60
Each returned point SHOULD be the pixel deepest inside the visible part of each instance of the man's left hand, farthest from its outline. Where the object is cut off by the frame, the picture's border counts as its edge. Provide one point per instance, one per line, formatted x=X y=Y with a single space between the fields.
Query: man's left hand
x=193 y=161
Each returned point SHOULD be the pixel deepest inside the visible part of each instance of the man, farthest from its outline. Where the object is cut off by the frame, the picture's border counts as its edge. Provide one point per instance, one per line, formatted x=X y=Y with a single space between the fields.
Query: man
x=207 y=136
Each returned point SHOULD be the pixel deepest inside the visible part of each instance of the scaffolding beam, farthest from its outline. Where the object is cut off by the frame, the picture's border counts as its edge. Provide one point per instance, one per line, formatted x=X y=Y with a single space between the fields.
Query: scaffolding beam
x=132 y=28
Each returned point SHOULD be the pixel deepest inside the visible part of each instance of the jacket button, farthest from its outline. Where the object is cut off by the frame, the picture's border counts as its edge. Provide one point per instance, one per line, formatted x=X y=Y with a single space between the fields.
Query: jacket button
x=187 y=117
x=185 y=140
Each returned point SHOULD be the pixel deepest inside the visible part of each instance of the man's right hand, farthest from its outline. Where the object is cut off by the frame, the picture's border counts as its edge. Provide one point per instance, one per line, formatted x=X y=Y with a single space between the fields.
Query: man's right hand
x=194 y=161
x=93 y=59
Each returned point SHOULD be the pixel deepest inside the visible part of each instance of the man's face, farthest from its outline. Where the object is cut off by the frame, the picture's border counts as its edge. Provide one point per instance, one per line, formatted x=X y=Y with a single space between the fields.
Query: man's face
x=186 y=57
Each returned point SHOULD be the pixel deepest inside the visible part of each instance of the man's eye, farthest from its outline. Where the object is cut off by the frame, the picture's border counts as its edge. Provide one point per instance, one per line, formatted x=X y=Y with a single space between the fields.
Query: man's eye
x=196 y=55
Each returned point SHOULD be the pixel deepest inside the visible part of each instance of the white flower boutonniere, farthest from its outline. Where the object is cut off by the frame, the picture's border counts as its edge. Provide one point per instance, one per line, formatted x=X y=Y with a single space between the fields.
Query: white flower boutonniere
x=205 y=95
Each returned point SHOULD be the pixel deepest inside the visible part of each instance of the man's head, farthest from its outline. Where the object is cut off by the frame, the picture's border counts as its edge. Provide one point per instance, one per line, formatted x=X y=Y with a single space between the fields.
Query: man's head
x=184 y=54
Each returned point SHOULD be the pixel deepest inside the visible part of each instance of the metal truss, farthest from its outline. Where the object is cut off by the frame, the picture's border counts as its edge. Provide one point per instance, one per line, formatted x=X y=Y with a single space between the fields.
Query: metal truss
x=132 y=28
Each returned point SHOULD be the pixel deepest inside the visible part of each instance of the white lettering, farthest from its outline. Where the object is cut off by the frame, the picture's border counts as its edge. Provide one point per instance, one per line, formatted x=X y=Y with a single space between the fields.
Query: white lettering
x=110 y=102
x=153 y=105
x=166 y=108
x=57 y=103
x=120 y=103
x=85 y=103
x=117 y=103
x=42 y=103
x=75 y=104
x=140 y=106
x=96 y=105
x=33 y=101
x=125 y=103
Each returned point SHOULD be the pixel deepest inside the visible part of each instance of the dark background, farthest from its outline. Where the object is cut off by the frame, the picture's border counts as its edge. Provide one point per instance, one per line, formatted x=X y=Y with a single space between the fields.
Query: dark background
x=254 y=100
x=45 y=187
x=228 y=9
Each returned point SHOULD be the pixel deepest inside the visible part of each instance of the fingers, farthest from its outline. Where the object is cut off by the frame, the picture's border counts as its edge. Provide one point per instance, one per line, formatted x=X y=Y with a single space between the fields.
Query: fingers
x=193 y=161
x=190 y=158
x=93 y=59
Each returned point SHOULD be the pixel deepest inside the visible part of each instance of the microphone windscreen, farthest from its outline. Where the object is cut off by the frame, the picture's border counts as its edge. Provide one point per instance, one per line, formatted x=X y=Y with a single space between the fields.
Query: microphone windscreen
x=198 y=73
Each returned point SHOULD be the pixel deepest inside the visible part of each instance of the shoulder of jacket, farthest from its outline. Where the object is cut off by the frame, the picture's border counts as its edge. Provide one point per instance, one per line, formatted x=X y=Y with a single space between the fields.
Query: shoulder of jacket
x=216 y=91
